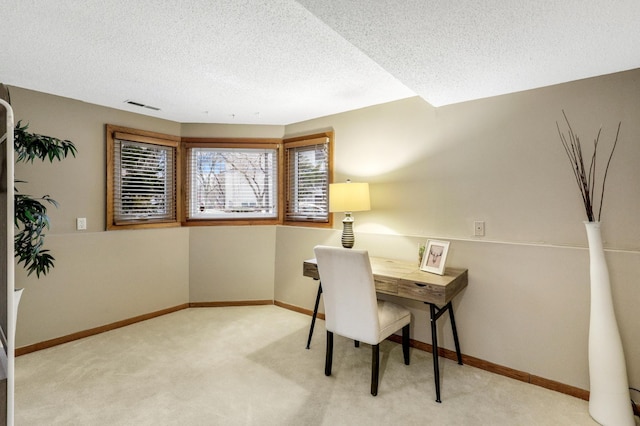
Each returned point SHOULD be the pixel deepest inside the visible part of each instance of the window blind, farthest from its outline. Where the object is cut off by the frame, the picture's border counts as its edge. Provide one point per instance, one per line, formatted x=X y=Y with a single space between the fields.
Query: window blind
x=307 y=180
x=144 y=182
x=232 y=183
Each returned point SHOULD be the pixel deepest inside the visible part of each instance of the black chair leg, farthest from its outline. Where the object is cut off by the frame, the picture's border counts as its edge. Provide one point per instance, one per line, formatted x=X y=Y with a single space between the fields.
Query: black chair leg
x=356 y=343
x=375 y=368
x=405 y=344
x=329 y=358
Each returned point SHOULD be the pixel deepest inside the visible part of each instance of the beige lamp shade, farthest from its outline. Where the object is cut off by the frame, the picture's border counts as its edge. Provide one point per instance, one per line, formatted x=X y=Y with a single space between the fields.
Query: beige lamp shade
x=349 y=197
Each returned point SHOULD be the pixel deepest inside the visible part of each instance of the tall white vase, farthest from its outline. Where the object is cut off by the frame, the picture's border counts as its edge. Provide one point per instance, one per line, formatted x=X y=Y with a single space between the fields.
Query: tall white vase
x=609 y=398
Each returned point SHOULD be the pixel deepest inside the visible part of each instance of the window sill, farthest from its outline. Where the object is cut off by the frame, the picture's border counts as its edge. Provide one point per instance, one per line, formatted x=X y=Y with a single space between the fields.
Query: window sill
x=231 y=222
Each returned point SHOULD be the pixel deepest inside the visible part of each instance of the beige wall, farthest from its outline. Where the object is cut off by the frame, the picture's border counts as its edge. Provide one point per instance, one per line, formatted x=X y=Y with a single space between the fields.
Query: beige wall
x=432 y=173
x=79 y=184
x=103 y=277
x=193 y=130
x=231 y=263
x=99 y=277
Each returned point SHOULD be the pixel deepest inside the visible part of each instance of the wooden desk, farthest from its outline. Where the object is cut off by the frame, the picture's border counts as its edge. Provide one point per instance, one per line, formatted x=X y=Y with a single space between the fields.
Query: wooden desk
x=406 y=280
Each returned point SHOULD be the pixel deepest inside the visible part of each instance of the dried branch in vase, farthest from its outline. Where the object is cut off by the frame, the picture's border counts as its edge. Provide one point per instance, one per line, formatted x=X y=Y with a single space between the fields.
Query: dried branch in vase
x=586 y=178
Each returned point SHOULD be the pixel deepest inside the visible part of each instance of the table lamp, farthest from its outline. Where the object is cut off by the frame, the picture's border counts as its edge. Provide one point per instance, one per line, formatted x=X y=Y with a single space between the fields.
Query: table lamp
x=348 y=197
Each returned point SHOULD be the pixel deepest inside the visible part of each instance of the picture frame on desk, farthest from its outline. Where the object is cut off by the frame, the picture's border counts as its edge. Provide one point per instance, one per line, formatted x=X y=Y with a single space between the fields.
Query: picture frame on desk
x=435 y=256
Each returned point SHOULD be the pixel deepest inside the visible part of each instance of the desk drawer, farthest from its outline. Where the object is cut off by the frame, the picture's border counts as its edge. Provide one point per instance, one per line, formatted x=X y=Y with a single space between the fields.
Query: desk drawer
x=424 y=292
x=386 y=285
x=310 y=270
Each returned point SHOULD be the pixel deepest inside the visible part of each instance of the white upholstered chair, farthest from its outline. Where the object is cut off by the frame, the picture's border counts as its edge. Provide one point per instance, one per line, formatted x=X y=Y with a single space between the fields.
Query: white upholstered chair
x=351 y=307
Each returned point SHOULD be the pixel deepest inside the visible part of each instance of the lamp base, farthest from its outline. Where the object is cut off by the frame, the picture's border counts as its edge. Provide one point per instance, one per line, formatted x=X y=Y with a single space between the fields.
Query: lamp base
x=348 y=238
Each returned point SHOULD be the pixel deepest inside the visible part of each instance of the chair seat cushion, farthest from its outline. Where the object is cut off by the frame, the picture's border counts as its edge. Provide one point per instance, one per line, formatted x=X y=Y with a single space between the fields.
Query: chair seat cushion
x=392 y=318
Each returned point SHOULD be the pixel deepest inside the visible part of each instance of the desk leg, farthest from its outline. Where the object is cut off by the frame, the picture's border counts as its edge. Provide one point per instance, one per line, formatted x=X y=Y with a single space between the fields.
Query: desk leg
x=436 y=313
x=315 y=314
x=434 y=343
x=455 y=333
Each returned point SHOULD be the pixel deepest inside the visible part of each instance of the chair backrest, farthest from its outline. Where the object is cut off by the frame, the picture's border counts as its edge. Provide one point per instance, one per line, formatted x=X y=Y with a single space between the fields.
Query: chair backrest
x=350 y=304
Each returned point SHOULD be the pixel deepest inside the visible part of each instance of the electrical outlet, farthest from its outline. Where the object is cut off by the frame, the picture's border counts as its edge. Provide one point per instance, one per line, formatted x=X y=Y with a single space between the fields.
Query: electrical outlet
x=478 y=228
x=81 y=223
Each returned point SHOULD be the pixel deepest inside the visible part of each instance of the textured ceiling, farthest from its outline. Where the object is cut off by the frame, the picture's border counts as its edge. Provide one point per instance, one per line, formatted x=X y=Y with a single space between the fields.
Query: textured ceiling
x=285 y=61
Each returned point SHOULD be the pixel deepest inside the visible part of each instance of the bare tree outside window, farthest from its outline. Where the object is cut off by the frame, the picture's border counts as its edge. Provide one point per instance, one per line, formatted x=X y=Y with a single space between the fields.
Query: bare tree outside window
x=229 y=182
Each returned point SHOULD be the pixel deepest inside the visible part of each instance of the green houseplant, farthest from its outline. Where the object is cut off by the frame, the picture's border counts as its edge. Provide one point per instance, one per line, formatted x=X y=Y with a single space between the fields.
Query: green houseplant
x=30 y=213
x=31 y=218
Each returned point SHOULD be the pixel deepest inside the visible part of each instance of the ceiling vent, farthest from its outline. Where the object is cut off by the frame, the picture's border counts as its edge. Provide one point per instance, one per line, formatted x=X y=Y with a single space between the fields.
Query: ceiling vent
x=141 y=105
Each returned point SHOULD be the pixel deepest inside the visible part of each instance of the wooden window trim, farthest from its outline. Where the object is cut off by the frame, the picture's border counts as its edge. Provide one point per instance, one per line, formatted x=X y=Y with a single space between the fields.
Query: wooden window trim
x=182 y=144
x=119 y=132
x=257 y=143
x=305 y=140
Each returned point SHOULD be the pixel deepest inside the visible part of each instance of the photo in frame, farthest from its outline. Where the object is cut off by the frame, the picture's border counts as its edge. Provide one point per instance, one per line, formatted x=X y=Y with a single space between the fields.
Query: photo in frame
x=435 y=256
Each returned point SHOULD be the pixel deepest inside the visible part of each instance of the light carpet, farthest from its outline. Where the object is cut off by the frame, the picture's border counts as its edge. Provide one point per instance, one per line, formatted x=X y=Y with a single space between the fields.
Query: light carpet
x=249 y=366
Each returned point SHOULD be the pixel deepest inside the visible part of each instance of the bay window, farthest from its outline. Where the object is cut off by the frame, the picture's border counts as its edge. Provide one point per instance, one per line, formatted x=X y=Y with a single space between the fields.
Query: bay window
x=156 y=180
